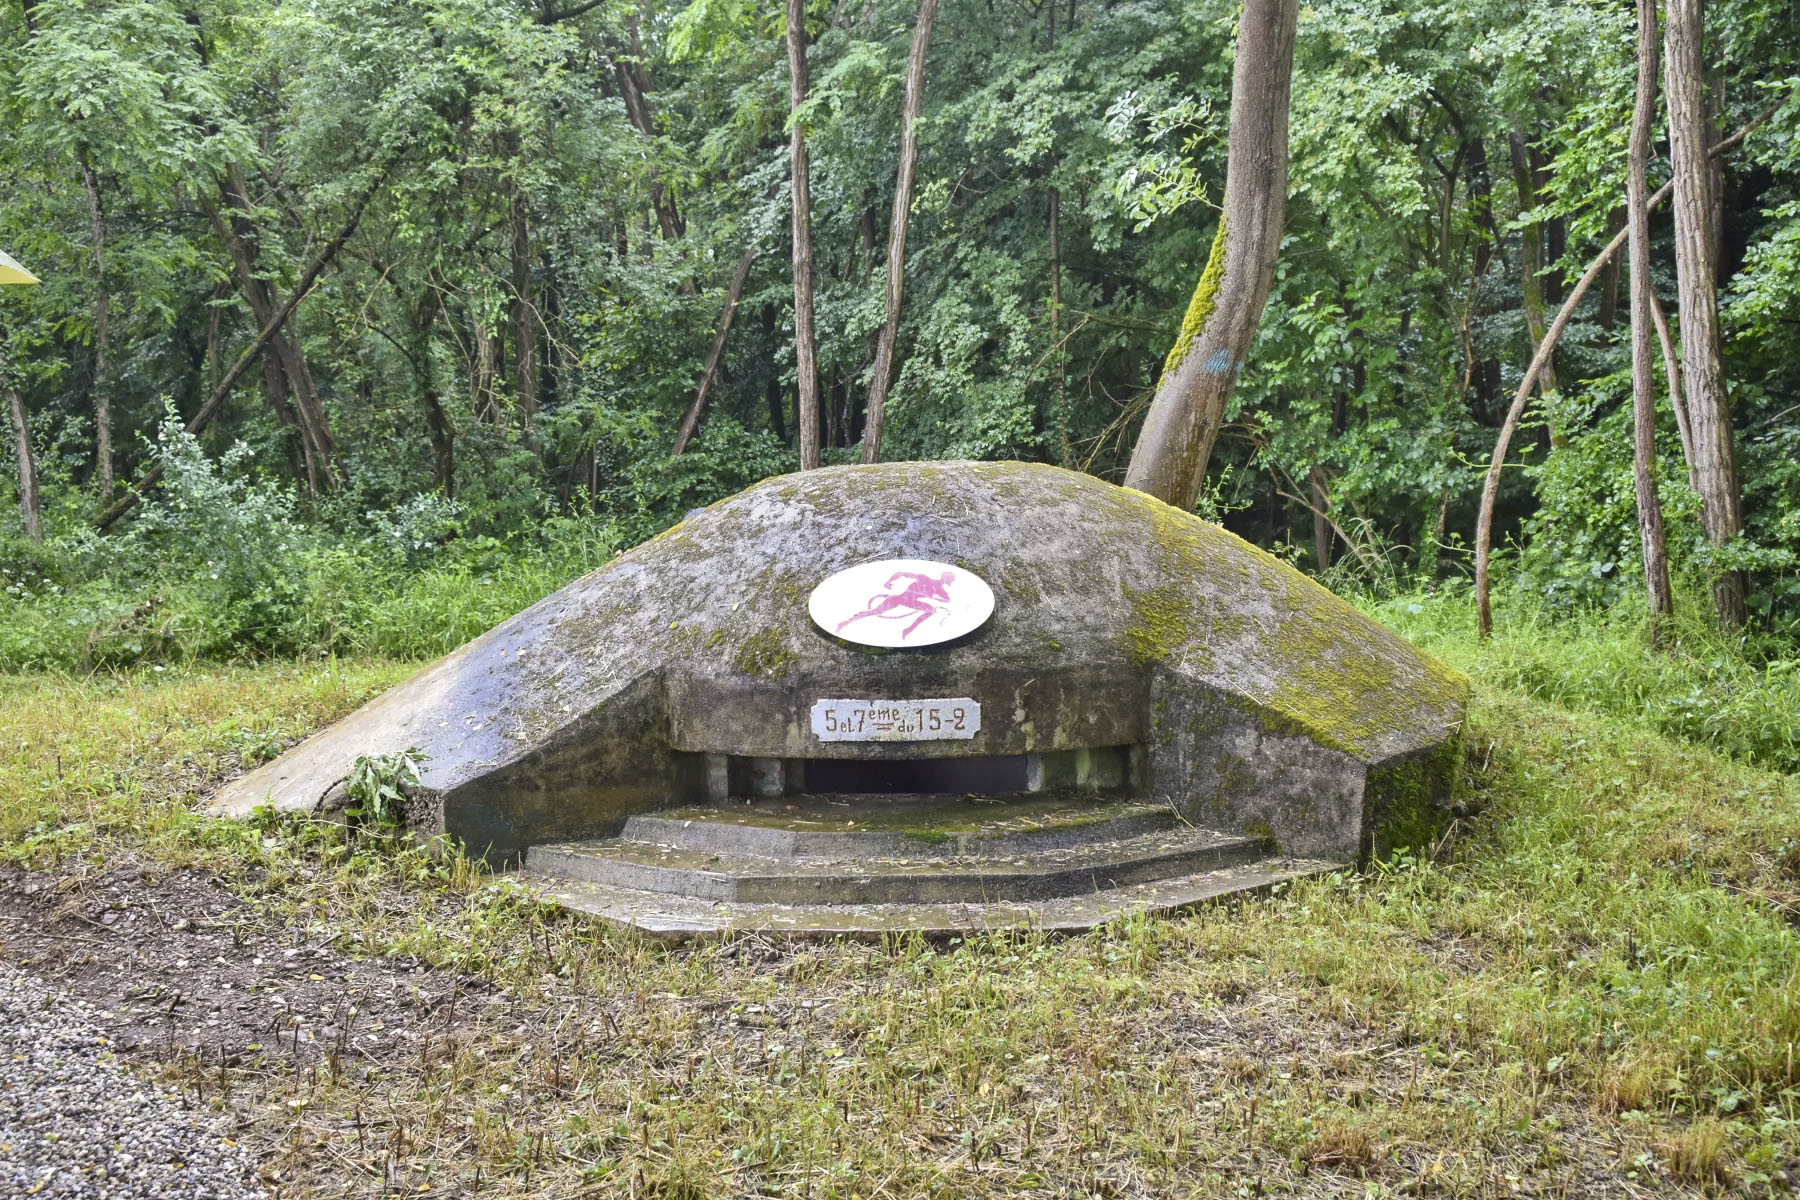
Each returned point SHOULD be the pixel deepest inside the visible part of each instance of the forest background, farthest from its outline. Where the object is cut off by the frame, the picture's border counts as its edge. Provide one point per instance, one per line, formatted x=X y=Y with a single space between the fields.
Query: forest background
x=508 y=233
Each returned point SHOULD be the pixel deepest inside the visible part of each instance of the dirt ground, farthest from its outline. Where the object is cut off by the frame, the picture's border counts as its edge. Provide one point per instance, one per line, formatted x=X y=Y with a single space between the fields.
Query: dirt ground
x=199 y=990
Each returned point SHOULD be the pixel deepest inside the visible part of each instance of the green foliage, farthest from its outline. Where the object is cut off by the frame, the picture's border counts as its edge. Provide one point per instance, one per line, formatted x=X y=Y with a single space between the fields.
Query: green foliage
x=509 y=185
x=1582 y=549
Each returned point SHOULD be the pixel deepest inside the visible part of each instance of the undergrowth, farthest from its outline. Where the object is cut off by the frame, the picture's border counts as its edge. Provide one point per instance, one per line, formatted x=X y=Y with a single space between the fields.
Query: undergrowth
x=1708 y=687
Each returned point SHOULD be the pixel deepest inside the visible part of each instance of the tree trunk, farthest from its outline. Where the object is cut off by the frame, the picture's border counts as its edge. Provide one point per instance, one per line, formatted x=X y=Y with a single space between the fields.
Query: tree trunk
x=28 y=493
x=1703 y=374
x=1672 y=370
x=1643 y=371
x=805 y=347
x=1607 y=314
x=306 y=402
x=1200 y=373
x=481 y=378
x=1321 y=503
x=896 y=259
x=1059 y=361
x=772 y=393
x=103 y=453
x=691 y=422
x=634 y=87
x=1531 y=261
x=523 y=311
x=437 y=422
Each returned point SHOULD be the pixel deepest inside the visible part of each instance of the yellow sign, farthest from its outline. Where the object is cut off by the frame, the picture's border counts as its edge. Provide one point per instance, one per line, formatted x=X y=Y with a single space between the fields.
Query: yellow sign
x=12 y=272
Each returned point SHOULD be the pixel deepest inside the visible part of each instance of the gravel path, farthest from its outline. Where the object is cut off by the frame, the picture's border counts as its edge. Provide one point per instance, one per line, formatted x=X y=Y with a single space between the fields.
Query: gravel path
x=74 y=1122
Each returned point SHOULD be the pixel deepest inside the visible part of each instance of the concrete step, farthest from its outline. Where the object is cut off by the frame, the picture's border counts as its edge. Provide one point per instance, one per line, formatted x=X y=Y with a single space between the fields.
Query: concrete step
x=900 y=826
x=677 y=917
x=976 y=879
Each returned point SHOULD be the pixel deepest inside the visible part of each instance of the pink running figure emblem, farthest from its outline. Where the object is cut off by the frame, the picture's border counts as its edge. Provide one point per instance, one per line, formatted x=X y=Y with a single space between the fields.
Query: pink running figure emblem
x=901 y=603
x=921 y=596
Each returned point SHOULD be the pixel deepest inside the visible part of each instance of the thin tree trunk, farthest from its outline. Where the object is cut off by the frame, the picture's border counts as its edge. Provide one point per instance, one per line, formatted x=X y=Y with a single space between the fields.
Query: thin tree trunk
x=321 y=449
x=1709 y=407
x=1200 y=373
x=103 y=453
x=28 y=491
x=1672 y=369
x=523 y=311
x=1643 y=371
x=1321 y=503
x=240 y=244
x=550 y=303
x=733 y=294
x=772 y=393
x=214 y=322
x=481 y=381
x=634 y=87
x=285 y=373
x=1490 y=488
x=425 y=310
x=805 y=346
x=307 y=404
x=896 y=260
x=1607 y=315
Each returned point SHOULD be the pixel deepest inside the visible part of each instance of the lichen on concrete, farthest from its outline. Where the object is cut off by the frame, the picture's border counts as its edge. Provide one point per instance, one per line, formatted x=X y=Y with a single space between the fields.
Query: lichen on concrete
x=766 y=654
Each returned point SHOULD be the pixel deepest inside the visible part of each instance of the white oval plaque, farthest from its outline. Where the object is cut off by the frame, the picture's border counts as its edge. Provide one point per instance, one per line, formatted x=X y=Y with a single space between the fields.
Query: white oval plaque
x=901 y=602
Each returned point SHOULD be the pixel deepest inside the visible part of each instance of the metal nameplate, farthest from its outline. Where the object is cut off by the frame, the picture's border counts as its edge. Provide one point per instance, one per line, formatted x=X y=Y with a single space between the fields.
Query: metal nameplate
x=958 y=718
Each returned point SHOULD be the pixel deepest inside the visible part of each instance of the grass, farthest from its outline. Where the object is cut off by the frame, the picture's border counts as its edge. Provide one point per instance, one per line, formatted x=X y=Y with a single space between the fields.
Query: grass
x=1596 y=991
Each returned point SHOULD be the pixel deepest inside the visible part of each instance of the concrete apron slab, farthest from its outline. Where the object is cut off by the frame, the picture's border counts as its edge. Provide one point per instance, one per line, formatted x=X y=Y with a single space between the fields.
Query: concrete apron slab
x=679 y=918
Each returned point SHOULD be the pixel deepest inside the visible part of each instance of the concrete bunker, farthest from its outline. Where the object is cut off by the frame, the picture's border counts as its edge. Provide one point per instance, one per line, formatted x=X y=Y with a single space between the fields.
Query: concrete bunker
x=1144 y=677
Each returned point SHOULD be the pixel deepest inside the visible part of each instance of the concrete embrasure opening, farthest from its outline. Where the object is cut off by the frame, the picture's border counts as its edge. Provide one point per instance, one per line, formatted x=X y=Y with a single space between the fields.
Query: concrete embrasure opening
x=987 y=774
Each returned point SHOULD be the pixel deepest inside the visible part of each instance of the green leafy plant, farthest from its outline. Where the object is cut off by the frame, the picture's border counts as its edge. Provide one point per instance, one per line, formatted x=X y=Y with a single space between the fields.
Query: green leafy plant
x=379 y=785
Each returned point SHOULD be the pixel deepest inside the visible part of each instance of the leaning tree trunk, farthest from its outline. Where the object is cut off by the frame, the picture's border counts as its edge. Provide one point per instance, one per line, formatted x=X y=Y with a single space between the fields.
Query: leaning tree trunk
x=1643 y=371
x=691 y=422
x=805 y=346
x=1709 y=409
x=1169 y=461
x=103 y=453
x=896 y=261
